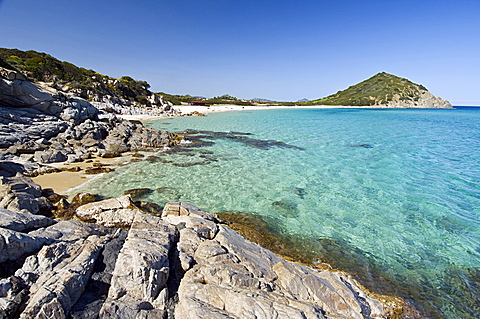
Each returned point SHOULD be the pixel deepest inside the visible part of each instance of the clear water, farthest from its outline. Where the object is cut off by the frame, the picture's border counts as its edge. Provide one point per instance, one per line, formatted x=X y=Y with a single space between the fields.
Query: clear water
x=401 y=187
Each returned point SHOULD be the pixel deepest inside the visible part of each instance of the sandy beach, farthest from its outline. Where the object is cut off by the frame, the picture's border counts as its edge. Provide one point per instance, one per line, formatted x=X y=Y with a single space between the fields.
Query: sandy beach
x=62 y=182
x=189 y=109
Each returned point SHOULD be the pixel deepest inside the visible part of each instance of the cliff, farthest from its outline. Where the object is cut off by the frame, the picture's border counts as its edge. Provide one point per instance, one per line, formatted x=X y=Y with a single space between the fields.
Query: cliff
x=385 y=90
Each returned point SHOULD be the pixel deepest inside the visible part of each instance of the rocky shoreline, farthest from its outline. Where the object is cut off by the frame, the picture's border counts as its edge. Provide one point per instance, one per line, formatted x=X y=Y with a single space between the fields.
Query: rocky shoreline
x=118 y=258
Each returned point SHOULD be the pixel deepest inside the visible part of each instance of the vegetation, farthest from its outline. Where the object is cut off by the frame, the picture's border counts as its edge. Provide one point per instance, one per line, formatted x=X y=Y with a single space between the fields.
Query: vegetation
x=377 y=90
x=227 y=99
x=179 y=99
x=85 y=82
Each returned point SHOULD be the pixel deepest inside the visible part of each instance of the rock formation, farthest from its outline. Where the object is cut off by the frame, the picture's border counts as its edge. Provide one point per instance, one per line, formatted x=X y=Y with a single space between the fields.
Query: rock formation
x=54 y=126
x=177 y=263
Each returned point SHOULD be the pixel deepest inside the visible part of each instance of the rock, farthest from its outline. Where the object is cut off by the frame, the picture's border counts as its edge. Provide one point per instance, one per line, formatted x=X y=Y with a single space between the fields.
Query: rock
x=181 y=265
x=138 y=192
x=84 y=198
x=41 y=118
x=22 y=222
x=50 y=156
x=63 y=270
x=20 y=193
x=14 y=245
x=91 y=301
x=236 y=278
x=115 y=212
x=98 y=170
x=184 y=209
x=139 y=283
x=10 y=169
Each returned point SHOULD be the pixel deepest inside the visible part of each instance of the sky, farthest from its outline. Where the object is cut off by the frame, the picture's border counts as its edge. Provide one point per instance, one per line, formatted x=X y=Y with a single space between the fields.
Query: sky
x=279 y=50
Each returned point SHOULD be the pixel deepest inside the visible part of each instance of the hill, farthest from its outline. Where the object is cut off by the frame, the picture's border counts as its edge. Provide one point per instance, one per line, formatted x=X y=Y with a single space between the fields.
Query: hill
x=384 y=90
x=85 y=83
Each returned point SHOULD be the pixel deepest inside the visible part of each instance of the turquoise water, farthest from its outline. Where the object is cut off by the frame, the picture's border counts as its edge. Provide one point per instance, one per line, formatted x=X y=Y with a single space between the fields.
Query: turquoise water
x=401 y=188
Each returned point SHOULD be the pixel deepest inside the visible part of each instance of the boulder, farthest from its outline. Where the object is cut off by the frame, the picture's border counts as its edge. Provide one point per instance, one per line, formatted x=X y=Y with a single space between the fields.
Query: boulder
x=20 y=193
x=115 y=212
x=22 y=222
x=62 y=271
x=50 y=156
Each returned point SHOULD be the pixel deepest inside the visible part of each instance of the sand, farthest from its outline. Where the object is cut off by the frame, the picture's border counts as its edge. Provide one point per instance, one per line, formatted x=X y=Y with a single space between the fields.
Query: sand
x=188 y=109
x=64 y=181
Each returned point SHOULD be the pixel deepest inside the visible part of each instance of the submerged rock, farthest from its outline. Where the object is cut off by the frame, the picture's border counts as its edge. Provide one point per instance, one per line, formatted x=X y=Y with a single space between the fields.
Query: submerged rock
x=285 y=207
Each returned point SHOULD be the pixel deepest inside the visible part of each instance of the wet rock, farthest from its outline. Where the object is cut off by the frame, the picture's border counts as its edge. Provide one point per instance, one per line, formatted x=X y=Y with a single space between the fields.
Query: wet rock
x=138 y=155
x=98 y=170
x=149 y=208
x=112 y=154
x=300 y=192
x=199 y=137
x=84 y=198
x=138 y=192
x=169 y=193
x=360 y=145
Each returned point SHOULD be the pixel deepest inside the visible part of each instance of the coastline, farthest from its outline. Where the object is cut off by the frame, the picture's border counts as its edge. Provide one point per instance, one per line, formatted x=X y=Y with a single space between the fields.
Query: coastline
x=73 y=175
x=63 y=181
x=69 y=178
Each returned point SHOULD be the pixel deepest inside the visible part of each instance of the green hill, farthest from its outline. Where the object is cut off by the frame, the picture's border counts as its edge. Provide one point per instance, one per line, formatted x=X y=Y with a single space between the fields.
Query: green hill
x=383 y=89
x=85 y=83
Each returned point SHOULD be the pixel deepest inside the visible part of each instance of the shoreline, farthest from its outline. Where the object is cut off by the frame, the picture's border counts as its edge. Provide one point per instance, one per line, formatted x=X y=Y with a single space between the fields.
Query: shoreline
x=72 y=175
x=193 y=110
x=64 y=181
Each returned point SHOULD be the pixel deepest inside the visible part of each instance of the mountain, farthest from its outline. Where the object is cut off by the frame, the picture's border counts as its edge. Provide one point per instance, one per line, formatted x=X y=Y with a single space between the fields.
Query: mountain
x=85 y=83
x=385 y=90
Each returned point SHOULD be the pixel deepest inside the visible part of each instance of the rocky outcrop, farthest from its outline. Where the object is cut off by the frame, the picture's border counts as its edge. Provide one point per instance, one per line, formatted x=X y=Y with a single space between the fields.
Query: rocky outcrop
x=56 y=126
x=179 y=264
x=423 y=99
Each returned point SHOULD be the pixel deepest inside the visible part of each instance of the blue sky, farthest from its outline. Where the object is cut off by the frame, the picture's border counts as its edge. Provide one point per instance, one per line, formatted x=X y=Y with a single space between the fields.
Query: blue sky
x=280 y=50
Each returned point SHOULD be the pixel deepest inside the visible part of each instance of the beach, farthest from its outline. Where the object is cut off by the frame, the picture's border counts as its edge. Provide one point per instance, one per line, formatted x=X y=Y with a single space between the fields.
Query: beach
x=73 y=175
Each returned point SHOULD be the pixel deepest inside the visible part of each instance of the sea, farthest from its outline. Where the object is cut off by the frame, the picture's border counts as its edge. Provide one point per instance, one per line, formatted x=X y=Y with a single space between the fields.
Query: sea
x=390 y=195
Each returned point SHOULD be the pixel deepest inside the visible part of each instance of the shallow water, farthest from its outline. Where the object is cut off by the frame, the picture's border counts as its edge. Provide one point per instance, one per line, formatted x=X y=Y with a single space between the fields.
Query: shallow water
x=390 y=193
